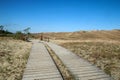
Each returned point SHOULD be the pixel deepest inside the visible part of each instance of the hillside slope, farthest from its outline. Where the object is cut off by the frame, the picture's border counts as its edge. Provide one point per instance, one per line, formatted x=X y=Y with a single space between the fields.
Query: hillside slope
x=83 y=35
x=101 y=48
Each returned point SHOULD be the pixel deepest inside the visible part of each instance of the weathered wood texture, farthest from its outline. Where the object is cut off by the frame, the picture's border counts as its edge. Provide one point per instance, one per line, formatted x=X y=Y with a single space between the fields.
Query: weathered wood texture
x=80 y=68
x=40 y=65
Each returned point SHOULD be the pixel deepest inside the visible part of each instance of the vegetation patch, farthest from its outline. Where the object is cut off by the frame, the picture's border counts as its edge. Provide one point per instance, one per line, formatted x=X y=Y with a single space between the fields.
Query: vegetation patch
x=105 y=55
x=13 y=58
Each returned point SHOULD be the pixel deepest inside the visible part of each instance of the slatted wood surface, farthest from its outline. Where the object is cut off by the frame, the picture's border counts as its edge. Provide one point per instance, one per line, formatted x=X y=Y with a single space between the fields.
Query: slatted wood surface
x=81 y=69
x=40 y=65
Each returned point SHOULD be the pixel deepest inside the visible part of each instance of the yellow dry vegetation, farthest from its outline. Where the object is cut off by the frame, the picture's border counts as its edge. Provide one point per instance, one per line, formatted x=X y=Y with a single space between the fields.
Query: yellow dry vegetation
x=105 y=55
x=13 y=58
x=83 y=35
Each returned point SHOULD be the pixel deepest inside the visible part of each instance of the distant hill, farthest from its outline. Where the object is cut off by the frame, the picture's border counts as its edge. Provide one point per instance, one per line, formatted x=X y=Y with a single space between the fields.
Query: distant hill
x=83 y=35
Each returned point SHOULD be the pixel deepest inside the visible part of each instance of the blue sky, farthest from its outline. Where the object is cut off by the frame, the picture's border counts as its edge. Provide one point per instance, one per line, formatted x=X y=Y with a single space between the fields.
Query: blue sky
x=60 y=15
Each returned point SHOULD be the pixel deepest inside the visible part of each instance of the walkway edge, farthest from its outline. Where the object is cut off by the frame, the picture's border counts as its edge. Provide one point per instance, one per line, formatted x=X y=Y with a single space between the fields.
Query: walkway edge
x=66 y=74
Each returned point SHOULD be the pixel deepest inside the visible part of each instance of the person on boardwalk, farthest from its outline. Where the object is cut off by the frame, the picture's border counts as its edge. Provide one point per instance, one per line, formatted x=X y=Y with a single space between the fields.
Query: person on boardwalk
x=41 y=37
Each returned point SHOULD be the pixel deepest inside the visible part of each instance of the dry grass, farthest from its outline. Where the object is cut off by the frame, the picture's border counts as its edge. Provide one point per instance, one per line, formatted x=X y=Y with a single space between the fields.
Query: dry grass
x=13 y=58
x=83 y=35
x=105 y=55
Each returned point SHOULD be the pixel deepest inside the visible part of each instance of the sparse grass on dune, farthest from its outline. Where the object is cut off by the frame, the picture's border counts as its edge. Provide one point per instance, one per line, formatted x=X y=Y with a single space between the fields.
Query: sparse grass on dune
x=105 y=55
x=83 y=35
x=13 y=58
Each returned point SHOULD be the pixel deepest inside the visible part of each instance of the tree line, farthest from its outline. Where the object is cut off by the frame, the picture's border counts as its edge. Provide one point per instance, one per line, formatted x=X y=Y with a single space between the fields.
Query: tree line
x=22 y=35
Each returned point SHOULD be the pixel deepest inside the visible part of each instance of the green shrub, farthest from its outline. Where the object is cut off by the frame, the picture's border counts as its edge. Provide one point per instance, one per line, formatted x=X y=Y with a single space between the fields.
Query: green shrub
x=19 y=35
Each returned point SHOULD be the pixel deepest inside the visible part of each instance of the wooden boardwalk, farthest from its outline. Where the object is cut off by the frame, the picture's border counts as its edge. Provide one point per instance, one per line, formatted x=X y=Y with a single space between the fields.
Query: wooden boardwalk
x=80 y=68
x=40 y=65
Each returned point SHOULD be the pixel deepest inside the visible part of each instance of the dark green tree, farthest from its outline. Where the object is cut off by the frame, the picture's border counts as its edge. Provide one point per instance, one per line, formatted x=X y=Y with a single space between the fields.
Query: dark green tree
x=1 y=27
x=26 y=31
x=19 y=35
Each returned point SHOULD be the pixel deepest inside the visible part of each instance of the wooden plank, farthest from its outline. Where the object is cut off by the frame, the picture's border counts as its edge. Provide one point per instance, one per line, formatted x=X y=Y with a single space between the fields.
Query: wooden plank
x=40 y=65
x=74 y=63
